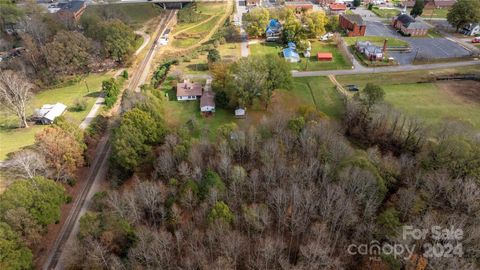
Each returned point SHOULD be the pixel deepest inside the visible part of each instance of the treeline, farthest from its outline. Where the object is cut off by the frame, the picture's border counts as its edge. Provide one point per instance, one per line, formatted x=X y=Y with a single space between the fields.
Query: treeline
x=289 y=193
x=140 y=129
x=26 y=208
x=34 y=198
x=294 y=28
x=55 y=48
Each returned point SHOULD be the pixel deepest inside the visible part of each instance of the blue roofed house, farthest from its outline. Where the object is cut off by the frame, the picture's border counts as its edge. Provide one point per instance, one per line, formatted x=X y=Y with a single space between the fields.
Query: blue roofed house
x=274 y=30
x=290 y=54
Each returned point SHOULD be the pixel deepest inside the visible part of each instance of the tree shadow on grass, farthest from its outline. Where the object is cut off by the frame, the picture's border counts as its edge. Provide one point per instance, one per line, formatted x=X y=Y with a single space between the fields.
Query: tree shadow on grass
x=93 y=94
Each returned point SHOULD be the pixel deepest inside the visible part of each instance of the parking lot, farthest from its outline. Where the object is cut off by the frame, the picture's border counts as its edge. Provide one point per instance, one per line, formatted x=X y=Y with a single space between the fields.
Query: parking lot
x=421 y=48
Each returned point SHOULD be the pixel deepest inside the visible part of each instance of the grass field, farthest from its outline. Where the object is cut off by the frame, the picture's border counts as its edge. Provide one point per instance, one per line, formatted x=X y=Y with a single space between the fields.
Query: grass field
x=385 y=13
x=320 y=92
x=13 y=138
x=391 y=41
x=431 y=103
x=192 y=33
x=405 y=77
x=179 y=113
x=199 y=65
x=428 y=101
x=434 y=13
x=134 y=15
x=316 y=91
x=339 y=62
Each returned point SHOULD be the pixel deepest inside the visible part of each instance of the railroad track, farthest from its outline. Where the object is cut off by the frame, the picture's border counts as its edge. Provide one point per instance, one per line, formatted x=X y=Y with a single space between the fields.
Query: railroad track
x=67 y=228
x=99 y=161
x=133 y=86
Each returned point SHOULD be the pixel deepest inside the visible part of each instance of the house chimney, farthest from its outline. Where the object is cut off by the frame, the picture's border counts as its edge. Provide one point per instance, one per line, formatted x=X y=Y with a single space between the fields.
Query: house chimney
x=384 y=46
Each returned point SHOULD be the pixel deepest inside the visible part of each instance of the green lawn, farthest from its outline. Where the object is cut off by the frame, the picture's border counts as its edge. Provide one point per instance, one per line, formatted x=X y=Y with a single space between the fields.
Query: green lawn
x=405 y=77
x=385 y=13
x=431 y=104
x=135 y=14
x=211 y=8
x=179 y=113
x=204 y=27
x=339 y=62
x=434 y=13
x=199 y=65
x=424 y=100
x=13 y=138
x=391 y=41
x=138 y=42
x=185 y=42
x=321 y=92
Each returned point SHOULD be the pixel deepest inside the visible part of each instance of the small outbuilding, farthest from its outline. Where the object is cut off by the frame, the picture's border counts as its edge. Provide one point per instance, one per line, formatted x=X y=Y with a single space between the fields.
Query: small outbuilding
x=291 y=55
x=48 y=112
x=324 y=56
x=240 y=113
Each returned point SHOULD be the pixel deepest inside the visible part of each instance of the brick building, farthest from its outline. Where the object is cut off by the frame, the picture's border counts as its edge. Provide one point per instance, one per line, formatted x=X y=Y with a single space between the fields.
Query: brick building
x=353 y=24
x=71 y=10
x=408 y=26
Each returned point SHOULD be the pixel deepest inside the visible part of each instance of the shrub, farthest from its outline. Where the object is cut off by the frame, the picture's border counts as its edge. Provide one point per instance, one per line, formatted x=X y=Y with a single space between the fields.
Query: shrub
x=125 y=74
x=211 y=180
x=221 y=212
x=389 y=221
x=111 y=91
x=160 y=74
x=79 y=105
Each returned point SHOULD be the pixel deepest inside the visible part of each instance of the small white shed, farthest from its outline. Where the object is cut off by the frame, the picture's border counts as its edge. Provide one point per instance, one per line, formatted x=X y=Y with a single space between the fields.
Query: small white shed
x=48 y=112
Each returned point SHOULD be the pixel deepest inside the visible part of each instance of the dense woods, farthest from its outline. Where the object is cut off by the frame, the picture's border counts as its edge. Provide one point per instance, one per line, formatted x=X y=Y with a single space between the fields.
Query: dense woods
x=56 y=49
x=290 y=193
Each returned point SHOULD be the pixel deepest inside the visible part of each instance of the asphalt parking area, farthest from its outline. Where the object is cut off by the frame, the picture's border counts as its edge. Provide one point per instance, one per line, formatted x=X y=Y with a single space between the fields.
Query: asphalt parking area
x=379 y=29
x=421 y=48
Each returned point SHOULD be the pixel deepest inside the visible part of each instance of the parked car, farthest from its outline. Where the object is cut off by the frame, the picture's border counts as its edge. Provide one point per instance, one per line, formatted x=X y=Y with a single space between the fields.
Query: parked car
x=352 y=88
x=476 y=40
x=326 y=37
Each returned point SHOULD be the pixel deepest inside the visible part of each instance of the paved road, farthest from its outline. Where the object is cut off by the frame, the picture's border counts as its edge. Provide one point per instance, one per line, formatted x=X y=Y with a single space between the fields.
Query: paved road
x=241 y=9
x=384 y=69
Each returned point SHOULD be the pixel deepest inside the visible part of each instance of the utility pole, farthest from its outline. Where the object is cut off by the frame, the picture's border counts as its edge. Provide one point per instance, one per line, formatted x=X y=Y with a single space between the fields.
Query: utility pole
x=88 y=89
x=415 y=58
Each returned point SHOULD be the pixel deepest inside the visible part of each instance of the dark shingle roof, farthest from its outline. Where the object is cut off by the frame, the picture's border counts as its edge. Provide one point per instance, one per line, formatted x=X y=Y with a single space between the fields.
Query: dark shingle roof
x=405 y=19
x=354 y=18
x=73 y=6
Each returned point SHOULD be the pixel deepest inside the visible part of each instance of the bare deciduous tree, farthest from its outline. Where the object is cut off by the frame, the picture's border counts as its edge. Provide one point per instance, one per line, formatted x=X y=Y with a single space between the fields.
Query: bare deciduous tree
x=27 y=164
x=15 y=92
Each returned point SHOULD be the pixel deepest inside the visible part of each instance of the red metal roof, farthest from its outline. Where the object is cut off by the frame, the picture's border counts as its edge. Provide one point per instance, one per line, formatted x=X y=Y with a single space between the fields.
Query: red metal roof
x=337 y=6
x=324 y=55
